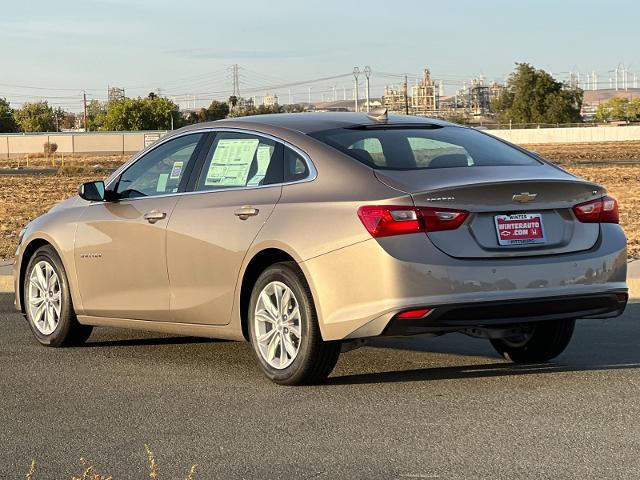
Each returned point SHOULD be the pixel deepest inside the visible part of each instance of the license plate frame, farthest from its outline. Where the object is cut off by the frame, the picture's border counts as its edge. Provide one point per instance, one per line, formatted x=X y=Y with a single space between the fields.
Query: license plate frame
x=520 y=229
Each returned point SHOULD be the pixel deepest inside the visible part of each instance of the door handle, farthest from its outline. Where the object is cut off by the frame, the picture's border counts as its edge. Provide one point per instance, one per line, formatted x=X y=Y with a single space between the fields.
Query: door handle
x=154 y=215
x=245 y=212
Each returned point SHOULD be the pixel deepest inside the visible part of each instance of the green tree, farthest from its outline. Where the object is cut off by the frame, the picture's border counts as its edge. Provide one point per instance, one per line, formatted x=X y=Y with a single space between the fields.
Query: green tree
x=217 y=110
x=150 y=113
x=64 y=119
x=259 y=110
x=164 y=114
x=534 y=96
x=96 y=115
x=7 y=122
x=633 y=110
x=127 y=114
x=36 y=117
x=294 y=108
x=267 y=109
x=620 y=109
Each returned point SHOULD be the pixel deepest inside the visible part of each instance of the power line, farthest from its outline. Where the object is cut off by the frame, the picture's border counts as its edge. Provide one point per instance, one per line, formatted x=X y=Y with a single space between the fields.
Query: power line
x=31 y=87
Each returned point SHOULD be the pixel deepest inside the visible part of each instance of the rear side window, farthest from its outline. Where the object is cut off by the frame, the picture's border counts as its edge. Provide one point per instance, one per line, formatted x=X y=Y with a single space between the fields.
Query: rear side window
x=396 y=148
x=241 y=160
x=295 y=168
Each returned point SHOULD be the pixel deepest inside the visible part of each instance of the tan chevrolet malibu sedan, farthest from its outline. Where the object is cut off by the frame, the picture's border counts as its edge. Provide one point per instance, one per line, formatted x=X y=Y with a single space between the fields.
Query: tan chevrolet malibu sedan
x=306 y=233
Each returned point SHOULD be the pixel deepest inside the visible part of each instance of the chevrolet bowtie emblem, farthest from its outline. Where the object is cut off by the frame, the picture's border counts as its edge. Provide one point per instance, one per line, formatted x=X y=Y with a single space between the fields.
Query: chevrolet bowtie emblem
x=524 y=197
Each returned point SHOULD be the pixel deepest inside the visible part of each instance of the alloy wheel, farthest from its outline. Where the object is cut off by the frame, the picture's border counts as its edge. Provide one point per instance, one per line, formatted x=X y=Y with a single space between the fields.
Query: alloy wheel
x=44 y=297
x=277 y=325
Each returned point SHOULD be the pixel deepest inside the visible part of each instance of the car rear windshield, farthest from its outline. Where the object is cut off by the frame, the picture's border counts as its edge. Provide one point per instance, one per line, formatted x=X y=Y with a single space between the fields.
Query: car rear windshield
x=411 y=148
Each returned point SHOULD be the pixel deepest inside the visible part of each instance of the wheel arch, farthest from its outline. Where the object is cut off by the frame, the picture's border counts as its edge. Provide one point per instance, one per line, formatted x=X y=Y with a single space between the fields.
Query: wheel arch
x=34 y=242
x=258 y=263
x=29 y=249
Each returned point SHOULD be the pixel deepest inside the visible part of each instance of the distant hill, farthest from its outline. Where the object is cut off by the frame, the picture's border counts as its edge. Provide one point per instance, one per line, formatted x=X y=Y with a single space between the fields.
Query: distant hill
x=343 y=105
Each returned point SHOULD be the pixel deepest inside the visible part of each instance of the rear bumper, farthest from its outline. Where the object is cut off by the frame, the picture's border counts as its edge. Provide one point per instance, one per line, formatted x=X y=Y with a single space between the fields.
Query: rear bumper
x=359 y=289
x=449 y=318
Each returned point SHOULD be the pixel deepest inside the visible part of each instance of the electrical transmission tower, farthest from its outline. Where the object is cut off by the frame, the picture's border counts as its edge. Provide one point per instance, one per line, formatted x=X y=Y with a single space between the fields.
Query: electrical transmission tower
x=367 y=74
x=235 y=96
x=236 y=81
x=356 y=72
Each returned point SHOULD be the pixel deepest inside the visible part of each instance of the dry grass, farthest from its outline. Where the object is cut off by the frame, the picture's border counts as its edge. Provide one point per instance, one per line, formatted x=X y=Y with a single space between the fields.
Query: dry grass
x=31 y=471
x=90 y=473
x=41 y=161
x=24 y=197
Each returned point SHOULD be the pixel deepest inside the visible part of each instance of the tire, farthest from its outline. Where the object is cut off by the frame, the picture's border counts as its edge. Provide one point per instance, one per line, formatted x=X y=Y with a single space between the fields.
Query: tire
x=54 y=327
x=277 y=324
x=546 y=341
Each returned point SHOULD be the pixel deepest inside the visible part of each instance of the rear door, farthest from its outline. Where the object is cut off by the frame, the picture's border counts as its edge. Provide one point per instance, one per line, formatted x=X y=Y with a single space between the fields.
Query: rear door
x=234 y=190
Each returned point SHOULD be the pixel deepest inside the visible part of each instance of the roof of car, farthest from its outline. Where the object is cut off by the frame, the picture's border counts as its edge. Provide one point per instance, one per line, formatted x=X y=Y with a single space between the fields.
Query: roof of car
x=309 y=122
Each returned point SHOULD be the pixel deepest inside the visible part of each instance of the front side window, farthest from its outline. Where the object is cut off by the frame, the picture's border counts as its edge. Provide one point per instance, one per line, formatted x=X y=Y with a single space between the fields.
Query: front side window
x=413 y=148
x=241 y=160
x=160 y=171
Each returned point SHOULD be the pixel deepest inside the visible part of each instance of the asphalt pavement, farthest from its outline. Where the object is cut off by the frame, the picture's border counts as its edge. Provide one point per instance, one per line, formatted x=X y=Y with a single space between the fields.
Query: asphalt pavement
x=443 y=407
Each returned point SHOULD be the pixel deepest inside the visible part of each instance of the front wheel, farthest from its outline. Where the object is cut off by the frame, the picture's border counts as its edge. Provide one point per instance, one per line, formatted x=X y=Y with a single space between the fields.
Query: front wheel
x=284 y=330
x=541 y=342
x=47 y=302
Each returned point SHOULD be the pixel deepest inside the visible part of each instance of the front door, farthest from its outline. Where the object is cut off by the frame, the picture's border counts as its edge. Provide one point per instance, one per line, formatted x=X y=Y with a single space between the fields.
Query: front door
x=120 y=247
x=211 y=229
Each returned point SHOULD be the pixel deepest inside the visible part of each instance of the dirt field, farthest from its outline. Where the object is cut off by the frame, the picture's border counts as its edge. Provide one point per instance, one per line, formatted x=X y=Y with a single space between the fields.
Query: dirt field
x=588 y=152
x=24 y=197
x=623 y=183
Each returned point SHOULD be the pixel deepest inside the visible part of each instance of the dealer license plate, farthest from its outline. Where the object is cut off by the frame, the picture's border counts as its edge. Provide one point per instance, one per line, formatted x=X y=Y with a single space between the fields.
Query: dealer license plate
x=519 y=229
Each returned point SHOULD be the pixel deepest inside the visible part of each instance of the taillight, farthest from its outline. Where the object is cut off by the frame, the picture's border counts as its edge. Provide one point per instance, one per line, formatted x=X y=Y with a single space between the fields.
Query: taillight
x=384 y=221
x=436 y=219
x=388 y=220
x=601 y=210
x=610 y=212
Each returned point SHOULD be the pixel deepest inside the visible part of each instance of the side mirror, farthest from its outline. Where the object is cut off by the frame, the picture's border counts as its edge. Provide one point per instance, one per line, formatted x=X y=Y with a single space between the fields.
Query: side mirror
x=92 y=191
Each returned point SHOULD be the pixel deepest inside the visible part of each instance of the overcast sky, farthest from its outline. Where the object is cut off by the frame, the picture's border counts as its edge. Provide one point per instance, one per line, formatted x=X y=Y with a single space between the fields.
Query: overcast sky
x=186 y=47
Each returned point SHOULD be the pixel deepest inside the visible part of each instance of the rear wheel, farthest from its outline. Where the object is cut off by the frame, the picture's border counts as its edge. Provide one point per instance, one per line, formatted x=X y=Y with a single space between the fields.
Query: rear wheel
x=542 y=342
x=47 y=302
x=284 y=330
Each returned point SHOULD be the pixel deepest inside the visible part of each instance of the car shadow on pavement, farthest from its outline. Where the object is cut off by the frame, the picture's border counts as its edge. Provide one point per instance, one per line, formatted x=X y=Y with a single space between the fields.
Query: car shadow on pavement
x=597 y=345
x=470 y=371
x=115 y=335
x=611 y=346
x=131 y=342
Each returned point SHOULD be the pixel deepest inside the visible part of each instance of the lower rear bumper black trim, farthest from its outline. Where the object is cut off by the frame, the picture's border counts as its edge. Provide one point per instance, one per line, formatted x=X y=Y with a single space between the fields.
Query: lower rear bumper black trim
x=448 y=318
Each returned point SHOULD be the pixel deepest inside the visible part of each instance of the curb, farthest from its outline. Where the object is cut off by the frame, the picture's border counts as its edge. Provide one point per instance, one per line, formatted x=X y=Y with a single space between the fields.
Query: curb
x=633 y=278
x=6 y=284
x=6 y=276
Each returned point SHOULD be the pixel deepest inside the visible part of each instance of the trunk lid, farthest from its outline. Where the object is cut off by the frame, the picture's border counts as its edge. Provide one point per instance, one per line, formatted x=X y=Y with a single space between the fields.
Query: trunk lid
x=543 y=194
